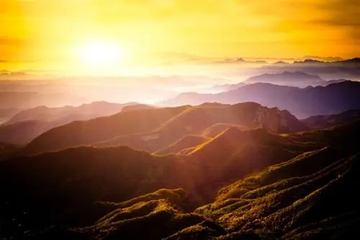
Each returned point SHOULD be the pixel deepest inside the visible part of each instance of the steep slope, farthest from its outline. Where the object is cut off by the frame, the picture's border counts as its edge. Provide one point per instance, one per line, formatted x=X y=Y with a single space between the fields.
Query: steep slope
x=300 y=102
x=325 y=121
x=219 y=128
x=195 y=120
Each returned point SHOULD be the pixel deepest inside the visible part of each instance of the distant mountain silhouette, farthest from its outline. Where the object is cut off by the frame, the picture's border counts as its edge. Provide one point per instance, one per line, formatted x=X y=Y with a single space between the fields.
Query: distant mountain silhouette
x=23 y=132
x=225 y=87
x=18 y=99
x=347 y=69
x=7 y=113
x=294 y=79
x=59 y=193
x=82 y=112
x=136 y=107
x=28 y=124
x=155 y=129
x=331 y=99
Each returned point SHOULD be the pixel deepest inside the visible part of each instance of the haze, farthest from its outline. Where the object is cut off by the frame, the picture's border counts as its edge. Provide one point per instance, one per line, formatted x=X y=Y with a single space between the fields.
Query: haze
x=46 y=35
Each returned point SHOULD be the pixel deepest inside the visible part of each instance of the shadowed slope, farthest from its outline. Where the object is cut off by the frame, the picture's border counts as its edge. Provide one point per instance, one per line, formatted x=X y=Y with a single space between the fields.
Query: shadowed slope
x=324 y=121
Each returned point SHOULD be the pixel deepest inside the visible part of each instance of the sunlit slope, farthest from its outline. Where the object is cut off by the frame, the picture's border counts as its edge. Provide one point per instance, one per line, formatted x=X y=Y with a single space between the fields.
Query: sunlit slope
x=101 y=129
x=196 y=120
x=185 y=142
x=155 y=129
x=309 y=197
x=215 y=129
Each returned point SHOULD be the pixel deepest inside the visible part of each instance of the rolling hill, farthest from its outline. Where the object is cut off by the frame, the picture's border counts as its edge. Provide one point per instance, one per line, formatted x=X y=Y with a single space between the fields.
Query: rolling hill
x=155 y=129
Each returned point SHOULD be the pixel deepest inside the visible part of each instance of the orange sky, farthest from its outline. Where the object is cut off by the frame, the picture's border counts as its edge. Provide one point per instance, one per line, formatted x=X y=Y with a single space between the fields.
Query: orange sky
x=45 y=34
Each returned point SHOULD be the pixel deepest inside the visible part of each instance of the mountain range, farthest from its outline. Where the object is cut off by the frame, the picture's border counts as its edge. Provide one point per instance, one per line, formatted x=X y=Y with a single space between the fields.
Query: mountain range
x=302 y=102
x=274 y=157
x=155 y=129
x=239 y=184
x=341 y=69
x=28 y=124
x=292 y=79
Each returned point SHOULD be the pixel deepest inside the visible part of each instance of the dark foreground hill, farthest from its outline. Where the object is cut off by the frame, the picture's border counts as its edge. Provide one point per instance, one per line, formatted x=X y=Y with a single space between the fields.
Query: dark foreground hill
x=307 y=187
x=155 y=129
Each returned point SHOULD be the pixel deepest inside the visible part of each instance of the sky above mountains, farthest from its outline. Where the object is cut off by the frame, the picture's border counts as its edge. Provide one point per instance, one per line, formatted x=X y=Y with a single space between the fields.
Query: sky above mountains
x=112 y=34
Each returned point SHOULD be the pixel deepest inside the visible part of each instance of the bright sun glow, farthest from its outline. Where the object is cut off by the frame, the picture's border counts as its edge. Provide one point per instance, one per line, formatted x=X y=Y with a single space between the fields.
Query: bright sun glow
x=100 y=54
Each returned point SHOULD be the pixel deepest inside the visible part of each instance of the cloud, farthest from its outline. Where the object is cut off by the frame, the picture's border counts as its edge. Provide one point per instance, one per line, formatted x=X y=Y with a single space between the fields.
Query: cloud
x=342 y=14
x=13 y=41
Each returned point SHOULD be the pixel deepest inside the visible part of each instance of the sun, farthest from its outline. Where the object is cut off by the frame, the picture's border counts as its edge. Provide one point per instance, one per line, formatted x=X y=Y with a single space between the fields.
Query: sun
x=101 y=53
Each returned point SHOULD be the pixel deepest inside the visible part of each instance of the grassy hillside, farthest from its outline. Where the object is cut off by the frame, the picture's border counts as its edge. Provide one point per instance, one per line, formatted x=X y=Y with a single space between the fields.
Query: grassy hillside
x=308 y=197
x=215 y=129
x=239 y=184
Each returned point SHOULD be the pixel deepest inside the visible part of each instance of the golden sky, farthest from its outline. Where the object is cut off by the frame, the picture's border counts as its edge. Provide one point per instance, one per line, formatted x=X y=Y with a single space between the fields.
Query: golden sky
x=50 y=33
